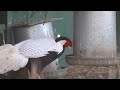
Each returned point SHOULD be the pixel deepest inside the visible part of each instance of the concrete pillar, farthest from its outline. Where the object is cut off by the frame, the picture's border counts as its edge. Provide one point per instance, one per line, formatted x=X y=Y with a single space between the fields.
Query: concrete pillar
x=95 y=34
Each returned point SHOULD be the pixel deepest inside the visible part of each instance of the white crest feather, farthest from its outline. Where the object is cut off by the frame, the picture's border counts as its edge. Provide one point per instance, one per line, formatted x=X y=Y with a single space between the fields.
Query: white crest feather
x=58 y=35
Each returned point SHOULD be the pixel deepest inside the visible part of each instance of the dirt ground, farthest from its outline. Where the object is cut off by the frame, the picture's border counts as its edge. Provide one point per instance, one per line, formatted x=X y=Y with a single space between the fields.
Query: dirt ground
x=92 y=72
x=72 y=72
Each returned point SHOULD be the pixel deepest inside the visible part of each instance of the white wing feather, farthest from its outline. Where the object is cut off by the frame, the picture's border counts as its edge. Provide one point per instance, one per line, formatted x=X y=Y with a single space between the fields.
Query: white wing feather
x=34 y=48
x=10 y=59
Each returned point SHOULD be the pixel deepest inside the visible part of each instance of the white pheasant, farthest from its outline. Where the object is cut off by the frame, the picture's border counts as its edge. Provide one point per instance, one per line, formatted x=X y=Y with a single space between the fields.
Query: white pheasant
x=16 y=57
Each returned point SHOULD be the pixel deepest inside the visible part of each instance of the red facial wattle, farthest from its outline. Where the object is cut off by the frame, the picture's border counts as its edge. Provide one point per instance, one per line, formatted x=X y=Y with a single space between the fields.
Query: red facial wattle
x=68 y=44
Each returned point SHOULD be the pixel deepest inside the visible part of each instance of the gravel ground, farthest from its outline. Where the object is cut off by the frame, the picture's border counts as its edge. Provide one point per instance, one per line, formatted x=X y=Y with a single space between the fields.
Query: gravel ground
x=72 y=72
x=92 y=72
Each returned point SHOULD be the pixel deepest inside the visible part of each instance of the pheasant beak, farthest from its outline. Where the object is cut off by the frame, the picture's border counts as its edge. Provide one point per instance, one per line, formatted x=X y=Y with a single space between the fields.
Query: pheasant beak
x=69 y=47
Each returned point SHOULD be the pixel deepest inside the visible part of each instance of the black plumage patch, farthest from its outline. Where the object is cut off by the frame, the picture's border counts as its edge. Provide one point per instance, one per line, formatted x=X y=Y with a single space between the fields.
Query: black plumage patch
x=62 y=38
x=46 y=60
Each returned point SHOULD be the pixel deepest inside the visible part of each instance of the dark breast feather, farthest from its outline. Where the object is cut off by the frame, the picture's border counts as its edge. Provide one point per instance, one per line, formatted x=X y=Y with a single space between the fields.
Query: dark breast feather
x=46 y=60
x=49 y=58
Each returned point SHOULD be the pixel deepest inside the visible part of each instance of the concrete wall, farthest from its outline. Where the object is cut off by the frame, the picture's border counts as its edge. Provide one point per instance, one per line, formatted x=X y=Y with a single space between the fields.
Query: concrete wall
x=3 y=20
x=118 y=30
x=95 y=33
